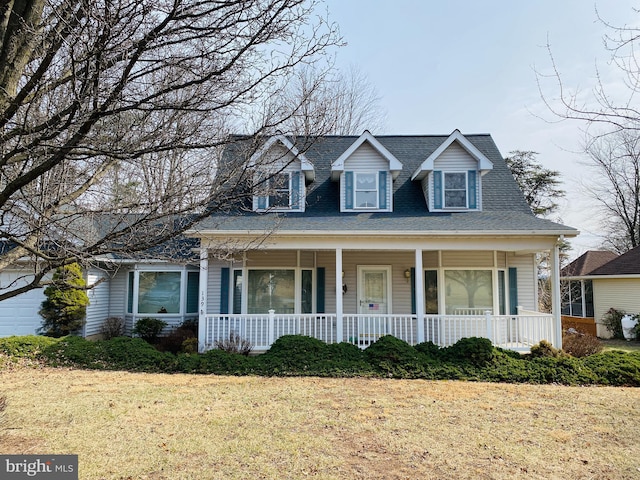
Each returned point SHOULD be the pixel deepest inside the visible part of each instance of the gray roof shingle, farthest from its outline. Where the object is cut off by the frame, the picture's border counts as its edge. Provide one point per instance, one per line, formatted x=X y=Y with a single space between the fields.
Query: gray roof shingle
x=504 y=206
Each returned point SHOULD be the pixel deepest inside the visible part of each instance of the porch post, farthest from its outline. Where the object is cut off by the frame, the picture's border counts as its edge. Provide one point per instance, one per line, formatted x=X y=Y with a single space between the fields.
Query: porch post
x=419 y=289
x=339 y=323
x=555 y=293
x=202 y=294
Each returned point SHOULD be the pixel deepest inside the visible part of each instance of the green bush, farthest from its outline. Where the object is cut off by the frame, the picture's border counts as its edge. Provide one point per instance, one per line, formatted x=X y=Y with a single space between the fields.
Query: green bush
x=474 y=350
x=219 y=362
x=395 y=357
x=64 y=309
x=615 y=367
x=293 y=355
x=612 y=320
x=149 y=329
x=429 y=350
x=28 y=346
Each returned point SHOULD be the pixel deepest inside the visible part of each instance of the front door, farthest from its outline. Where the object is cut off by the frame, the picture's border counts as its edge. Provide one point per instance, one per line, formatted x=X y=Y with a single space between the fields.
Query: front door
x=373 y=289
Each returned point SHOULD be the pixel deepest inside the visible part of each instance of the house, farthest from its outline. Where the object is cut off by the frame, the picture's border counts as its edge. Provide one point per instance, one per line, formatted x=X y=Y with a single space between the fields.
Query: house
x=426 y=238
x=596 y=282
x=130 y=289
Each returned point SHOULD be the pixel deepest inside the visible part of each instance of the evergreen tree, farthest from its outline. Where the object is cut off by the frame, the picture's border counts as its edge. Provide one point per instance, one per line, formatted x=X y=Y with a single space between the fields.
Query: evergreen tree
x=64 y=310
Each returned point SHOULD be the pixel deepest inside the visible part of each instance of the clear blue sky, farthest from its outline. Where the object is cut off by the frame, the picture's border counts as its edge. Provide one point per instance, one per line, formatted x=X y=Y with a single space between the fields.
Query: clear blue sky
x=442 y=65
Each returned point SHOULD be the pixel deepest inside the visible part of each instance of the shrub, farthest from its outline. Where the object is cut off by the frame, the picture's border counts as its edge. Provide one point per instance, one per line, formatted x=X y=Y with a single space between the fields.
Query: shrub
x=234 y=344
x=28 y=346
x=292 y=355
x=394 y=357
x=190 y=345
x=474 y=350
x=220 y=362
x=612 y=320
x=149 y=329
x=429 y=349
x=112 y=327
x=580 y=345
x=174 y=341
x=64 y=309
x=615 y=367
x=545 y=349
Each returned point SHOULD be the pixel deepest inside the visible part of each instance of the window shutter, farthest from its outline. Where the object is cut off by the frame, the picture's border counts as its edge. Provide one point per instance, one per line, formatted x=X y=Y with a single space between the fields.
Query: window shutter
x=413 y=291
x=437 y=189
x=295 y=190
x=472 y=189
x=513 y=290
x=382 y=190
x=348 y=190
x=320 y=289
x=224 y=290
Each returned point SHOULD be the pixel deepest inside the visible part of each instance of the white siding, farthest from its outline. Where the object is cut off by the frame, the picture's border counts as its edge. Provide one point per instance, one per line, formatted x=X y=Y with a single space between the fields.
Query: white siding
x=98 y=309
x=527 y=280
x=280 y=159
x=619 y=293
x=479 y=259
x=19 y=315
x=118 y=293
x=272 y=259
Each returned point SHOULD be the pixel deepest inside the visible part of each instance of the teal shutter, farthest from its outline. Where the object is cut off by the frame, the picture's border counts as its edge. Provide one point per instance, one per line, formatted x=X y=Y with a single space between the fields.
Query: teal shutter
x=472 y=189
x=437 y=189
x=348 y=190
x=224 y=290
x=513 y=290
x=382 y=190
x=320 y=289
x=413 y=290
x=295 y=190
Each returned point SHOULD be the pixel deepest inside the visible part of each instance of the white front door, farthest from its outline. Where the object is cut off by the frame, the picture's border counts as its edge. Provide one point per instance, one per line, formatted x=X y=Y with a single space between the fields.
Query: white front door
x=374 y=289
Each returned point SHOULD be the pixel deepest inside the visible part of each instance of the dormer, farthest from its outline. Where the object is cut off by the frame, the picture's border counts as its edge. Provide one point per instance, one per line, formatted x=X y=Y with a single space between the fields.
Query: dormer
x=366 y=171
x=451 y=176
x=281 y=174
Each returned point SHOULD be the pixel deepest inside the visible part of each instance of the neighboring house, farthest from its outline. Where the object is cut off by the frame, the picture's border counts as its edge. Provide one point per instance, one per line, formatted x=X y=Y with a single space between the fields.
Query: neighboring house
x=426 y=238
x=596 y=282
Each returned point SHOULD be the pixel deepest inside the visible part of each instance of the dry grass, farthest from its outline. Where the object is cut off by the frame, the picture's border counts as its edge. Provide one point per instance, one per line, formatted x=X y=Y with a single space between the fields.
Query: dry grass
x=142 y=426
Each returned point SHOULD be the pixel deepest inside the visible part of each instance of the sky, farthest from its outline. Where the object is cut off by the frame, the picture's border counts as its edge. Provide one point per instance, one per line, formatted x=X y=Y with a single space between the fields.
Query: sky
x=438 y=66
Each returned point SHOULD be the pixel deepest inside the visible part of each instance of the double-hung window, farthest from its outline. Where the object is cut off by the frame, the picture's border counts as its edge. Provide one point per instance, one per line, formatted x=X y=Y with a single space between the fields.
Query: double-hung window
x=366 y=190
x=280 y=191
x=455 y=190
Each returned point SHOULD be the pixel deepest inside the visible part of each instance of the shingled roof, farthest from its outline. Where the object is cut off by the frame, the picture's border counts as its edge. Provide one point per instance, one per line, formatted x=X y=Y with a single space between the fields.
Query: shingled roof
x=587 y=263
x=626 y=264
x=504 y=208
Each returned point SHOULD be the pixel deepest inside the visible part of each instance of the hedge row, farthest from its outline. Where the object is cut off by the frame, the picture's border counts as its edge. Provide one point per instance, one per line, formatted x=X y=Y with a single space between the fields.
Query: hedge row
x=469 y=359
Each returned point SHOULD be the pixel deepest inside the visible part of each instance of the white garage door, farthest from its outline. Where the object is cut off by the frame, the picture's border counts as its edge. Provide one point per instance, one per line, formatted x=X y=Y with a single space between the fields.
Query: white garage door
x=19 y=315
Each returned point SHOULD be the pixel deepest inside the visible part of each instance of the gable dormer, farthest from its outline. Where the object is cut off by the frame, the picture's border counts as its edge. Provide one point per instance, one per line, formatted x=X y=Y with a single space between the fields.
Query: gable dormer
x=451 y=176
x=281 y=174
x=366 y=171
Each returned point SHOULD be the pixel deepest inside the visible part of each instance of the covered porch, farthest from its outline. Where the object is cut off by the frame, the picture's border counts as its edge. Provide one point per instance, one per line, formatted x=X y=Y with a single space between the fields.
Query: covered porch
x=418 y=290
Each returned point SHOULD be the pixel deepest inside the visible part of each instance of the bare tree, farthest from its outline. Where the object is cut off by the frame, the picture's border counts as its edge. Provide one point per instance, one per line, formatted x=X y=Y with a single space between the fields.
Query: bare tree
x=114 y=114
x=615 y=187
x=333 y=102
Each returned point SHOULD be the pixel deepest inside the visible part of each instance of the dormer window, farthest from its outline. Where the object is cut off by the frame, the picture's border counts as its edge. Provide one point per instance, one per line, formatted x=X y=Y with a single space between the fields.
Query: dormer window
x=279 y=192
x=455 y=190
x=366 y=190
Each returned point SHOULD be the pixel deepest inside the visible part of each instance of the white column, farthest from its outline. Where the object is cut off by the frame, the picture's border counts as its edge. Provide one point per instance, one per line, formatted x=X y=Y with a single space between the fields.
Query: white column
x=555 y=293
x=202 y=295
x=419 y=288
x=339 y=323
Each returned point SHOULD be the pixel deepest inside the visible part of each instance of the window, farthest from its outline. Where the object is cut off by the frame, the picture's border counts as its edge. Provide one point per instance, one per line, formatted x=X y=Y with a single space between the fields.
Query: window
x=455 y=190
x=271 y=290
x=366 y=190
x=279 y=191
x=431 y=291
x=577 y=298
x=468 y=292
x=163 y=292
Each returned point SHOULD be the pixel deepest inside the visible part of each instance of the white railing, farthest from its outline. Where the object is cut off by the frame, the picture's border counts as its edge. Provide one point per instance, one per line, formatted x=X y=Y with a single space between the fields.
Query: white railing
x=515 y=332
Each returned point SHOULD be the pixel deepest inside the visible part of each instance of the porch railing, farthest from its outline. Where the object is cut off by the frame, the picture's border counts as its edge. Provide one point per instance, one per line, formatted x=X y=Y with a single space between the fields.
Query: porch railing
x=515 y=332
